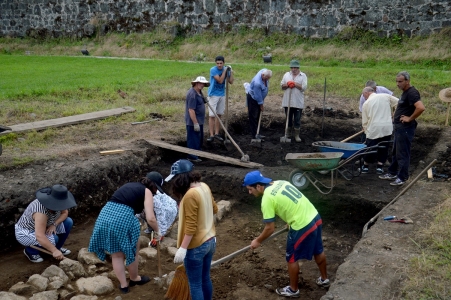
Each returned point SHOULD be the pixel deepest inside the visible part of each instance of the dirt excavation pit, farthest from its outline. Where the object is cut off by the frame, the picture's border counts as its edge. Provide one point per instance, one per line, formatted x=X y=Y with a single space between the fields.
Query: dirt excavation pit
x=254 y=274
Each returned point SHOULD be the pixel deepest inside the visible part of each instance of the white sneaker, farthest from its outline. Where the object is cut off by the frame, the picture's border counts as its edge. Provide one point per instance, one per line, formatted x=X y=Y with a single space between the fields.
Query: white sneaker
x=65 y=251
x=323 y=283
x=287 y=292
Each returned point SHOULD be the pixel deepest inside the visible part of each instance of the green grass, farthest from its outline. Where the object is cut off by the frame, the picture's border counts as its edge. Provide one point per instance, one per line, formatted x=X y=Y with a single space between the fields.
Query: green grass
x=430 y=273
x=43 y=87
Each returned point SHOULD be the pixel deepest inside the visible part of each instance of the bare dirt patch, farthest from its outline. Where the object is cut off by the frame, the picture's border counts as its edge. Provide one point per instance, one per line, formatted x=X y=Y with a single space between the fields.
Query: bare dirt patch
x=93 y=178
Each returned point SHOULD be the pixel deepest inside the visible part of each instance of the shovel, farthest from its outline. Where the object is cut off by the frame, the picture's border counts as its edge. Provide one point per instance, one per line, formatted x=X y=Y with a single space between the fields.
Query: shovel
x=244 y=157
x=226 y=141
x=285 y=139
x=258 y=131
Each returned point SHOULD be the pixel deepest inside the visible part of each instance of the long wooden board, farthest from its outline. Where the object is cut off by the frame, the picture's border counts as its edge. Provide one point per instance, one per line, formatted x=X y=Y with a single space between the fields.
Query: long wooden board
x=40 y=125
x=217 y=157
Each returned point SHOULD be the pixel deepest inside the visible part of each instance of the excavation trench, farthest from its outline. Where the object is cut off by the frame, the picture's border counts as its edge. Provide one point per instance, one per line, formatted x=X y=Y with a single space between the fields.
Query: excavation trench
x=252 y=275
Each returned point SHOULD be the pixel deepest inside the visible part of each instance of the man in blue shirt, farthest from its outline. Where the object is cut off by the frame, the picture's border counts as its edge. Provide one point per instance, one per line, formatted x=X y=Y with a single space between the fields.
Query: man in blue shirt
x=216 y=95
x=258 y=89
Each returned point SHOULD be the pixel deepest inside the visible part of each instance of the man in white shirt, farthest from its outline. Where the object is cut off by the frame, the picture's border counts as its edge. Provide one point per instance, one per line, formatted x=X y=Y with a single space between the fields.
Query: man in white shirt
x=377 y=89
x=377 y=122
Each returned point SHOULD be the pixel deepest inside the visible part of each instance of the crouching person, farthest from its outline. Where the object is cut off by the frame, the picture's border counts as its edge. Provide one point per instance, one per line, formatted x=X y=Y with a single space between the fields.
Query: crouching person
x=45 y=223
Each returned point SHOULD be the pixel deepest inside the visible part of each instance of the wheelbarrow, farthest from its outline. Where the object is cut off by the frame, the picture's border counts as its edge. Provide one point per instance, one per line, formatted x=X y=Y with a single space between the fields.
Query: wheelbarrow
x=350 y=150
x=323 y=162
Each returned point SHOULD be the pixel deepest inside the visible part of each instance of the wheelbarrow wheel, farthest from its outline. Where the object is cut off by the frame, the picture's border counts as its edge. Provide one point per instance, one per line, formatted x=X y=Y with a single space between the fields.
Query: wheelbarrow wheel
x=298 y=180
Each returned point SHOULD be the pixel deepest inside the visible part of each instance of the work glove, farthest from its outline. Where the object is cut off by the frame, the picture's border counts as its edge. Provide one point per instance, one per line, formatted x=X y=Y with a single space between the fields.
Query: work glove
x=156 y=238
x=196 y=127
x=291 y=84
x=180 y=255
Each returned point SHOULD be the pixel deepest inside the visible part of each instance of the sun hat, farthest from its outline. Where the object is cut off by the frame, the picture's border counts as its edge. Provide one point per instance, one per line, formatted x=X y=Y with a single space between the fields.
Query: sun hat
x=179 y=167
x=56 y=198
x=200 y=79
x=255 y=177
x=156 y=178
x=295 y=64
x=445 y=95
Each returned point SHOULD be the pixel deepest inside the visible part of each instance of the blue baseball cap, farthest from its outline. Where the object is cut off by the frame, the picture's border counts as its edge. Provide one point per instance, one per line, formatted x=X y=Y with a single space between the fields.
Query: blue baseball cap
x=179 y=167
x=255 y=177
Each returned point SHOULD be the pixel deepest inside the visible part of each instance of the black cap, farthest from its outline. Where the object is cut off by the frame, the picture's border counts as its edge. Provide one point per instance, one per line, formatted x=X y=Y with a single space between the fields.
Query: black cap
x=156 y=178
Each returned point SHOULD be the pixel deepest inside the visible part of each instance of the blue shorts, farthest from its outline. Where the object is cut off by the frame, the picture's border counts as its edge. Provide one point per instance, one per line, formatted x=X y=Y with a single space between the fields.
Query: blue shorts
x=304 y=243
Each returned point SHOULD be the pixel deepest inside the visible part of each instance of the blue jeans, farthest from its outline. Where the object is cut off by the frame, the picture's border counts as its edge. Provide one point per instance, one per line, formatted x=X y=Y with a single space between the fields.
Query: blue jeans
x=59 y=238
x=194 y=139
x=401 y=152
x=197 y=264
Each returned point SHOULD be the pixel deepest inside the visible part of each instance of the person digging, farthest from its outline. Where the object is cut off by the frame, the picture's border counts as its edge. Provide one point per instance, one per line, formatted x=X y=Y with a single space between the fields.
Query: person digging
x=304 y=240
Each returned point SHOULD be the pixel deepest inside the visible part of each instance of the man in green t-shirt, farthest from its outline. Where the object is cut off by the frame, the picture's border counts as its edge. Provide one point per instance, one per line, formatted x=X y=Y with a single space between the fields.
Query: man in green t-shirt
x=304 y=240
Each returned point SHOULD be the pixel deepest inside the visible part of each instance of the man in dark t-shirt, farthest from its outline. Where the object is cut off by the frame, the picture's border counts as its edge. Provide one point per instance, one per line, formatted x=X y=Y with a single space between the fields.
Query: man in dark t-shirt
x=409 y=108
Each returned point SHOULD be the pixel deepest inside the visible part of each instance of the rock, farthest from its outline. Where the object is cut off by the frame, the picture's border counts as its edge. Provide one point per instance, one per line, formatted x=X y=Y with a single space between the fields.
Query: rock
x=21 y=288
x=47 y=295
x=10 y=296
x=143 y=242
x=66 y=295
x=223 y=208
x=148 y=252
x=39 y=282
x=141 y=262
x=56 y=284
x=168 y=242
x=169 y=278
x=172 y=251
x=98 y=285
x=328 y=296
x=53 y=271
x=73 y=268
x=174 y=231
x=88 y=258
x=84 y=297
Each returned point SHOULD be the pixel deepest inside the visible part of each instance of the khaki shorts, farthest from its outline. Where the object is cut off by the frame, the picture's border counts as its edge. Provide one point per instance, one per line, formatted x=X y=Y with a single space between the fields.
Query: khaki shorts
x=218 y=104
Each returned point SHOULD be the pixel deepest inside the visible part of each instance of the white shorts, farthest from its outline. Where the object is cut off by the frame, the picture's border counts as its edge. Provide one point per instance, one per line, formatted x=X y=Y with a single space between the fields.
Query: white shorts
x=218 y=104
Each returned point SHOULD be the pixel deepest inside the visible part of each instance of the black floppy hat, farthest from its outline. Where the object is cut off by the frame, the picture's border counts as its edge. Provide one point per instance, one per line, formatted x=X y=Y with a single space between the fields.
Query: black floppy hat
x=156 y=178
x=56 y=198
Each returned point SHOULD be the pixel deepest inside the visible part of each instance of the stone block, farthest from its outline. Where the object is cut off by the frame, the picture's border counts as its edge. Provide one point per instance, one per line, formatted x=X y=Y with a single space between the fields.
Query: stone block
x=47 y=295
x=98 y=285
x=88 y=258
x=21 y=288
x=72 y=268
x=39 y=282
x=53 y=271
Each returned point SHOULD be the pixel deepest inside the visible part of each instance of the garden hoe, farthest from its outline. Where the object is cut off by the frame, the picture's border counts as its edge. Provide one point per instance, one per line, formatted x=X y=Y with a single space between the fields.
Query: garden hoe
x=285 y=138
x=257 y=140
x=244 y=157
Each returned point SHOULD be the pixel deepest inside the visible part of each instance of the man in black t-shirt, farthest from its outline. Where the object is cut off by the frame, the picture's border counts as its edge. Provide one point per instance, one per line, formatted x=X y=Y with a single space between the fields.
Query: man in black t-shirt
x=409 y=108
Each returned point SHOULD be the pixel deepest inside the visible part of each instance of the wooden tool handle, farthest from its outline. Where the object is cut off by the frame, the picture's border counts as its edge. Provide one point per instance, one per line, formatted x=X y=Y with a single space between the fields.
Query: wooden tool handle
x=41 y=249
x=352 y=136
x=236 y=253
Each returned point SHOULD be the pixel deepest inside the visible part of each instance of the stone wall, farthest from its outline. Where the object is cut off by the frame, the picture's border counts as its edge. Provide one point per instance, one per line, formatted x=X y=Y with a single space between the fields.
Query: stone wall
x=309 y=18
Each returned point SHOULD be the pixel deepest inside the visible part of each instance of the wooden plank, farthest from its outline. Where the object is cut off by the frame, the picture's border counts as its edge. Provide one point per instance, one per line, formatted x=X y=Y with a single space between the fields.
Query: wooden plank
x=41 y=125
x=217 y=157
x=107 y=152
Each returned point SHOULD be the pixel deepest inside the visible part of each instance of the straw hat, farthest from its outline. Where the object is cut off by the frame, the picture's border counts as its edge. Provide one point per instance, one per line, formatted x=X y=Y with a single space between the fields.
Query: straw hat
x=445 y=95
x=200 y=79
